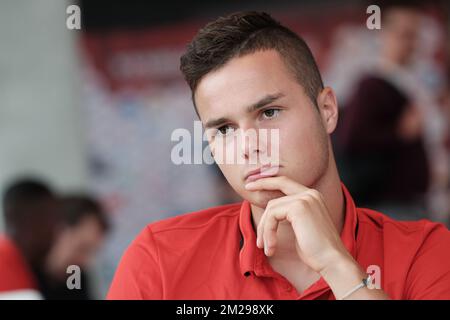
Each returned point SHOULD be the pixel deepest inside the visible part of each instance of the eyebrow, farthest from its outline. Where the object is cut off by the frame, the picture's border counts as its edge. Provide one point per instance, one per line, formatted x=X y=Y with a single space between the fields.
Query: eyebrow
x=251 y=108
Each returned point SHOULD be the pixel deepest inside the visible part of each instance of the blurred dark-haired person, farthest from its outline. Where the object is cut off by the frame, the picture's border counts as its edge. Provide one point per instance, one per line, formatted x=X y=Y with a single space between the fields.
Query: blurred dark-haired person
x=298 y=234
x=31 y=223
x=84 y=224
x=392 y=135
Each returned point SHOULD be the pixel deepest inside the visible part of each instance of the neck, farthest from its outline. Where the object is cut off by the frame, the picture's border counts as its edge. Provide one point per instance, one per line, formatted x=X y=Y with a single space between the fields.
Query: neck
x=329 y=185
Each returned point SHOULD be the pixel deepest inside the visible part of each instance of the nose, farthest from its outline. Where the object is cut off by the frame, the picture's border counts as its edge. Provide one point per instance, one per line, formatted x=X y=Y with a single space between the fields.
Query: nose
x=251 y=145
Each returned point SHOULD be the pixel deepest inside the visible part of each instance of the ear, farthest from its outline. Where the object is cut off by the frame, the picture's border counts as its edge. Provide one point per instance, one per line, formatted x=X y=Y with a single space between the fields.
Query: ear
x=328 y=107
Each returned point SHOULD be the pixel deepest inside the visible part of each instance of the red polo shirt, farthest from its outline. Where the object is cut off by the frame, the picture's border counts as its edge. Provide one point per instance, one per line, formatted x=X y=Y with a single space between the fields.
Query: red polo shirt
x=212 y=254
x=15 y=273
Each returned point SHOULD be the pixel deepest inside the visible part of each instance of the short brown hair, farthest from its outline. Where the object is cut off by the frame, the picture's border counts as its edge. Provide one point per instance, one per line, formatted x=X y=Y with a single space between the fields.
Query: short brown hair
x=243 y=33
x=75 y=207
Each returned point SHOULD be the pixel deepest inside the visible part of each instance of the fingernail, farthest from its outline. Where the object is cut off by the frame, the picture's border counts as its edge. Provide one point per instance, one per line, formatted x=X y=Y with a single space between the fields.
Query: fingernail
x=248 y=185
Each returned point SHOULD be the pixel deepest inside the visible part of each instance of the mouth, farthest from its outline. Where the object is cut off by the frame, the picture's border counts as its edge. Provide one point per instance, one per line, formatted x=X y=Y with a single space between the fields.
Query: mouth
x=262 y=172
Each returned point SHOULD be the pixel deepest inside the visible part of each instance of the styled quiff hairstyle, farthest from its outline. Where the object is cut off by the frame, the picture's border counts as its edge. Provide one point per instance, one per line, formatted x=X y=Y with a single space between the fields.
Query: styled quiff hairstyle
x=244 y=33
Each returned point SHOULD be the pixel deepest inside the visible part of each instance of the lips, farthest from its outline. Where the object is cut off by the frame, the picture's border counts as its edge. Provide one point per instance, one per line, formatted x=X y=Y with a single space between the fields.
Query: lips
x=263 y=172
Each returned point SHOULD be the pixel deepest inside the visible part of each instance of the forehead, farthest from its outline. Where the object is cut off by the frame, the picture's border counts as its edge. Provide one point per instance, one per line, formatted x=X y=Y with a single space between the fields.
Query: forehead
x=242 y=81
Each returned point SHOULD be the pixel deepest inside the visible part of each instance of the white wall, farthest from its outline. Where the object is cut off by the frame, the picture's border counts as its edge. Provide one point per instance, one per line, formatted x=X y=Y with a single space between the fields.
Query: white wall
x=41 y=128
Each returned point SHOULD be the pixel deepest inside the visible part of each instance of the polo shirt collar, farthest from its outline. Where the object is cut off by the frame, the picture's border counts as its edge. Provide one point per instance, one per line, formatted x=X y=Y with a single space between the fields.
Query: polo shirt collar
x=252 y=258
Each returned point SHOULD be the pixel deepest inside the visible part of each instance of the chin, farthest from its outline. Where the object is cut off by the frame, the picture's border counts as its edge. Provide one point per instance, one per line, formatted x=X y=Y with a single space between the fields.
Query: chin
x=261 y=198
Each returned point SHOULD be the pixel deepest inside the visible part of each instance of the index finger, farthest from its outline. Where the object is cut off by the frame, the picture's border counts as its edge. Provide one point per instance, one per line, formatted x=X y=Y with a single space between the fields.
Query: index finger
x=281 y=183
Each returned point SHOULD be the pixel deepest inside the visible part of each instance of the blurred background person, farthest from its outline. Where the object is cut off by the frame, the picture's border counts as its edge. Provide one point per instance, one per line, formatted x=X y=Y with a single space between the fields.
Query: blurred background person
x=31 y=222
x=83 y=228
x=391 y=136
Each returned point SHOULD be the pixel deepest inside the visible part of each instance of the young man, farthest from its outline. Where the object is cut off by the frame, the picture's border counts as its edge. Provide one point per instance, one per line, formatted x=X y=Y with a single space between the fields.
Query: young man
x=297 y=234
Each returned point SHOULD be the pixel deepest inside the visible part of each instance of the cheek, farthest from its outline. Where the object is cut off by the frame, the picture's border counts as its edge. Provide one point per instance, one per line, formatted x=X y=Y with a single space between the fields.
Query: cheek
x=231 y=174
x=303 y=147
x=298 y=139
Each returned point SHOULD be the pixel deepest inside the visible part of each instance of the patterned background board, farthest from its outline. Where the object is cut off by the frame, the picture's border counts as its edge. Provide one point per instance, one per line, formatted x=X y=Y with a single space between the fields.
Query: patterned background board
x=129 y=132
x=131 y=169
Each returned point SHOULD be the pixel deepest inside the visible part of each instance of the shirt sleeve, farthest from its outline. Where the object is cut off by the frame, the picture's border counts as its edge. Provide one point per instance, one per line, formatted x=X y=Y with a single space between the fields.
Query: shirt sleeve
x=138 y=275
x=429 y=275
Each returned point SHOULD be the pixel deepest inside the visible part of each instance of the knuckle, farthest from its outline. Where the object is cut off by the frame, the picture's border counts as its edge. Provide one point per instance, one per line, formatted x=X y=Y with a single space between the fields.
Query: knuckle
x=315 y=194
x=270 y=204
x=301 y=202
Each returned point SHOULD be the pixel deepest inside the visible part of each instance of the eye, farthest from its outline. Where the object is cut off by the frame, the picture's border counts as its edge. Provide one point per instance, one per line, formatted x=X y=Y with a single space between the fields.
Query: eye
x=224 y=130
x=270 y=113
